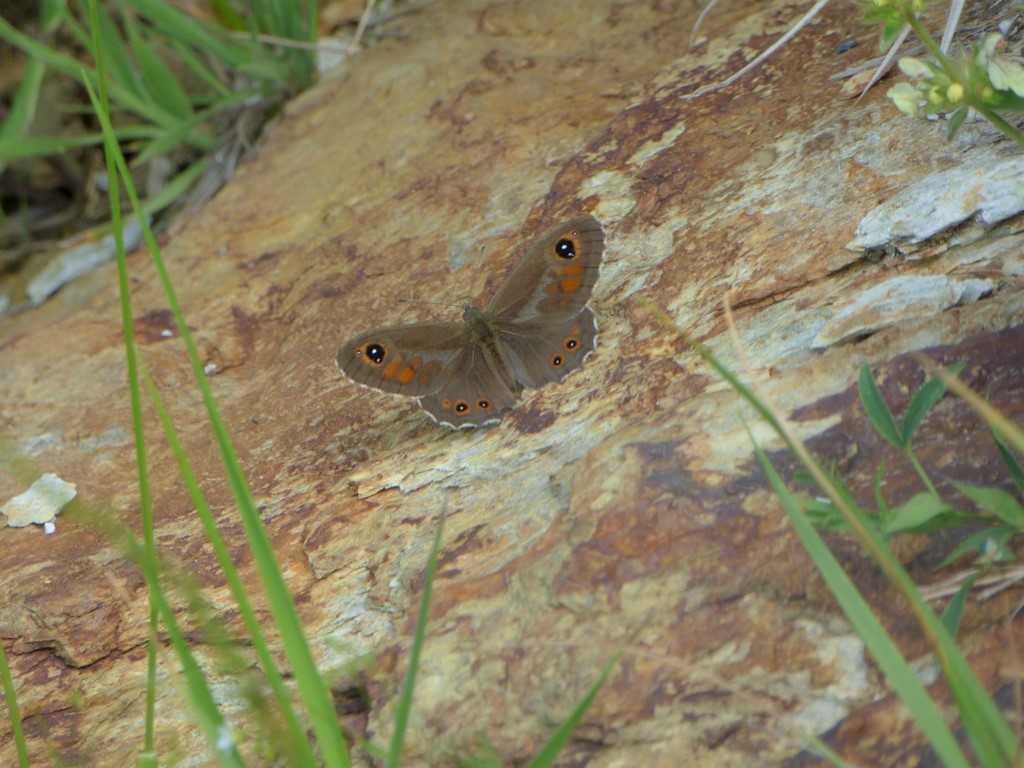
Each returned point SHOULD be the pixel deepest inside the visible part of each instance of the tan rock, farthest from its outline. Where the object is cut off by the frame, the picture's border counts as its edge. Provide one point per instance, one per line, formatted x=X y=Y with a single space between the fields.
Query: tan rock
x=621 y=509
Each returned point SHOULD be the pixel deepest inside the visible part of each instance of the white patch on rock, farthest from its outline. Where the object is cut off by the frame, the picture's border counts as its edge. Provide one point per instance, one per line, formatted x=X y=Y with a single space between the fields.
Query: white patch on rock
x=40 y=504
x=78 y=261
x=895 y=301
x=992 y=189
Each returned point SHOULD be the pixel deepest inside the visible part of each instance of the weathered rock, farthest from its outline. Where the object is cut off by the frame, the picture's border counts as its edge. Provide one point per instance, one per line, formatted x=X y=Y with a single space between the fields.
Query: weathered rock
x=620 y=509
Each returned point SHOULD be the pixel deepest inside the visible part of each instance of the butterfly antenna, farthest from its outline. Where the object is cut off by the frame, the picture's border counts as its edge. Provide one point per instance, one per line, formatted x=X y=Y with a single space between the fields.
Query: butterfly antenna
x=432 y=303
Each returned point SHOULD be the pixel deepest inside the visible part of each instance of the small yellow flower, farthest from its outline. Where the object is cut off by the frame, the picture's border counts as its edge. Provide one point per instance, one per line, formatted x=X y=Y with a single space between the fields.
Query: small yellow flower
x=955 y=93
x=914 y=67
x=905 y=97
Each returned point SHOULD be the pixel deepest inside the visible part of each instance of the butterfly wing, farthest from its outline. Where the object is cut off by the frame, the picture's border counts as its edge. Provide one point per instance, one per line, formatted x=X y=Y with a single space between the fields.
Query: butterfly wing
x=536 y=330
x=410 y=360
x=477 y=393
x=554 y=280
x=540 y=354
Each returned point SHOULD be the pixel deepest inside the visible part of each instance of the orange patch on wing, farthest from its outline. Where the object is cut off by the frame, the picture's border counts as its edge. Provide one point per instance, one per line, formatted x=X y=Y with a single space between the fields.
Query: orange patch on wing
x=570 y=284
x=406 y=375
x=573 y=270
x=391 y=370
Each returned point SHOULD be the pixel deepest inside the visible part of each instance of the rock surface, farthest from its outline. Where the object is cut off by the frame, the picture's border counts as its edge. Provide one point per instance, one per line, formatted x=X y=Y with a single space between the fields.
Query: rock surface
x=622 y=509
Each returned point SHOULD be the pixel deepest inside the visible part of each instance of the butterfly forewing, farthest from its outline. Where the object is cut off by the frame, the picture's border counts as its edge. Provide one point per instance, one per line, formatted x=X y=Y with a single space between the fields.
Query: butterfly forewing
x=543 y=354
x=411 y=360
x=555 y=279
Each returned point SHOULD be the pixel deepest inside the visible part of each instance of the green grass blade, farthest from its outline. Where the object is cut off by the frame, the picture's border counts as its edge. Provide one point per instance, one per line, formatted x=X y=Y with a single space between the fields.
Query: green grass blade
x=886 y=654
x=200 y=69
x=554 y=746
x=71 y=67
x=314 y=692
x=23 y=104
x=115 y=55
x=877 y=409
x=101 y=105
x=298 y=748
x=210 y=720
x=817 y=746
x=22 y=109
x=404 y=705
x=316 y=697
x=177 y=25
x=174 y=189
x=189 y=131
x=997 y=422
x=159 y=80
x=19 y=148
x=990 y=734
x=13 y=713
x=225 y=13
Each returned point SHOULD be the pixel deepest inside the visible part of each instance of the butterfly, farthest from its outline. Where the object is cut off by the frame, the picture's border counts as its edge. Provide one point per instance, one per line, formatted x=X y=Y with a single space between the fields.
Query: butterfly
x=537 y=330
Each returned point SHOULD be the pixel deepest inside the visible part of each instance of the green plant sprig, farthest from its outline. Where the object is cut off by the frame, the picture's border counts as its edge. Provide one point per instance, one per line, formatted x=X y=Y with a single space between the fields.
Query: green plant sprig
x=984 y=79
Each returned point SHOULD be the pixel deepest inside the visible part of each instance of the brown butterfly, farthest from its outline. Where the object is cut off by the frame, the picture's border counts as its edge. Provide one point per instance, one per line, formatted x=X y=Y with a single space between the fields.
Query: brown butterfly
x=536 y=330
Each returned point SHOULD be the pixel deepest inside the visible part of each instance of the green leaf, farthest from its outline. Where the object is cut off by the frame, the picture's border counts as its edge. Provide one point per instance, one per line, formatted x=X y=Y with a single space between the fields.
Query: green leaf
x=995 y=501
x=982 y=543
x=916 y=514
x=894 y=27
x=923 y=401
x=954 y=613
x=1016 y=470
x=955 y=121
x=1005 y=72
x=876 y=408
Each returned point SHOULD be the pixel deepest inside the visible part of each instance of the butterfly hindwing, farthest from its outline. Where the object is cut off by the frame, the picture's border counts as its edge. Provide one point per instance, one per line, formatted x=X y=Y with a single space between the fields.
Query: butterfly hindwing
x=541 y=354
x=477 y=395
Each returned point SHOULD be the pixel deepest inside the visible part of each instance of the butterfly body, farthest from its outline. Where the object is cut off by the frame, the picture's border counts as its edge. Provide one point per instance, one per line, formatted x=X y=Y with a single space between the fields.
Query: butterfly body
x=535 y=331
